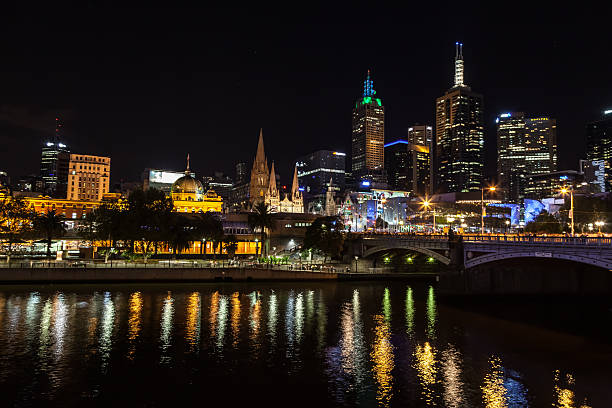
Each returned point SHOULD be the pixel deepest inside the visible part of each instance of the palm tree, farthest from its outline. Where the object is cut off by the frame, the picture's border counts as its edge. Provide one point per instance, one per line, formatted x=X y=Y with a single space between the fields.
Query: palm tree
x=179 y=234
x=208 y=227
x=230 y=244
x=261 y=219
x=49 y=225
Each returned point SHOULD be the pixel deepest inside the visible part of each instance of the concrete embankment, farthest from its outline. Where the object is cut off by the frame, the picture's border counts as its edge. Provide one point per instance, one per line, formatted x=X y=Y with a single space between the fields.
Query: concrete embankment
x=53 y=275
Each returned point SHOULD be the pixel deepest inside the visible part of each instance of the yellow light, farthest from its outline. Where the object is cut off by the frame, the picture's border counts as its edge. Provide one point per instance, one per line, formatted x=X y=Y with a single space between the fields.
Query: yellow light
x=564 y=191
x=492 y=188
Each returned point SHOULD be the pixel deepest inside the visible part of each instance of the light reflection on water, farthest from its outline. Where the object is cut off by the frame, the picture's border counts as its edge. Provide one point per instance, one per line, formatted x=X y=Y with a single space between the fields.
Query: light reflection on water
x=348 y=338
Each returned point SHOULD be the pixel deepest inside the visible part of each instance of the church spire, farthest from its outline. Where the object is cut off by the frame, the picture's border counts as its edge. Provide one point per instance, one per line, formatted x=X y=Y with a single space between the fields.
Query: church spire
x=272 y=185
x=368 y=86
x=295 y=186
x=261 y=155
x=459 y=64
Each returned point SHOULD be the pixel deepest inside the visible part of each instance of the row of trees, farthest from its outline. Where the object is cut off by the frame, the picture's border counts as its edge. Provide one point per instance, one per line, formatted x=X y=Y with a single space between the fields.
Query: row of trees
x=18 y=222
x=146 y=223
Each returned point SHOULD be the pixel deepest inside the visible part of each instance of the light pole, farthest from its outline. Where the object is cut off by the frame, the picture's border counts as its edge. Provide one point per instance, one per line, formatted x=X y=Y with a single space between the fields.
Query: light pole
x=482 y=210
x=507 y=223
x=426 y=204
x=565 y=190
x=599 y=225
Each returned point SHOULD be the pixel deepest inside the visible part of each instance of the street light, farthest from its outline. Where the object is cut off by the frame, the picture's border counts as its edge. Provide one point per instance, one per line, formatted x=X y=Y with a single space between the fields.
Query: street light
x=564 y=191
x=599 y=225
x=482 y=210
x=507 y=224
x=426 y=203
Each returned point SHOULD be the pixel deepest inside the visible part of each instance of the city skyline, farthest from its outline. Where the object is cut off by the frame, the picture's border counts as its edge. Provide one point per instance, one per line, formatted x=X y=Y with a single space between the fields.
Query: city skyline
x=300 y=94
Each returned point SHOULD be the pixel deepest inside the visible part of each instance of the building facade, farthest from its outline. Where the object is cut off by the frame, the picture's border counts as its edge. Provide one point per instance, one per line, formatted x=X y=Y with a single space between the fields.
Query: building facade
x=188 y=195
x=459 y=144
x=408 y=163
x=525 y=147
x=599 y=146
x=55 y=158
x=368 y=135
x=89 y=177
x=315 y=170
x=545 y=185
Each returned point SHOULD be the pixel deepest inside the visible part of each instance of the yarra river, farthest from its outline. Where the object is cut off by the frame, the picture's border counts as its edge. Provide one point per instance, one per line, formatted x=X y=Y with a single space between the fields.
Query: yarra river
x=290 y=344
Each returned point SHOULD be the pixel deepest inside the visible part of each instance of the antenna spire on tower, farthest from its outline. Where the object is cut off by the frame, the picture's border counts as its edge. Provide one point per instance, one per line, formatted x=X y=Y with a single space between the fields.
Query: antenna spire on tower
x=187 y=171
x=368 y=86
x=459 y=64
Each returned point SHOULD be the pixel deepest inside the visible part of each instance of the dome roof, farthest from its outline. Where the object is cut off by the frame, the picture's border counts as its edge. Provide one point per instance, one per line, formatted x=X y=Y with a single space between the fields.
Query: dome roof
x=187 y=184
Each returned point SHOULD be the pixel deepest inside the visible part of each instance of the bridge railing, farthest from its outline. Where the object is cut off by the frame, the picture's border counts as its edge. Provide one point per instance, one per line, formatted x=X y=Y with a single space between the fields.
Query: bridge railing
x=558 y=240
x=500 y=239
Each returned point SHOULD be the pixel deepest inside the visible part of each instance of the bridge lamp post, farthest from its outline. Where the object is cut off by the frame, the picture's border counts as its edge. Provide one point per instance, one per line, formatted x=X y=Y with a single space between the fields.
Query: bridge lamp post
x=426 y=204
x=482 y=210
x=564 y=191
x=599 y=225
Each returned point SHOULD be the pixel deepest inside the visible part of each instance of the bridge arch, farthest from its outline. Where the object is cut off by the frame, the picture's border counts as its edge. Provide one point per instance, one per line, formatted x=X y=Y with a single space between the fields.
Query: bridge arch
x=483 y=259
x=425 y=251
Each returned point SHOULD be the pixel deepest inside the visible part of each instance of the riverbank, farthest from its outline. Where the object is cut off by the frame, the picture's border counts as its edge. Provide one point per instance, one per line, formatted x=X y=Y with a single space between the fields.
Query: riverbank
x=188 y=274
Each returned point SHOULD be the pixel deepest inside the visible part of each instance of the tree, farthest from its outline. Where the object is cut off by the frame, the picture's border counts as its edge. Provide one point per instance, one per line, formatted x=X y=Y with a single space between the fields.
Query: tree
x=325 y=236
x=147 y=211
x=110 y=224
x=261 y=219
x=230 y=244
x=180 y=233
x=381 y=224
x=208 y=227
x=15 y=221
x=49 y=226
x=544 y=223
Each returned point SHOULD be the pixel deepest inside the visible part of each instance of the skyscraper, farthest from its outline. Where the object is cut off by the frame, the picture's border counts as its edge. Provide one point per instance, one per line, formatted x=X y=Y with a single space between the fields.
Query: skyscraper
x=599 y=145
x=525 y=147
x=408 y=162
x=459 y=141
x=368 y=136
x=54 y=163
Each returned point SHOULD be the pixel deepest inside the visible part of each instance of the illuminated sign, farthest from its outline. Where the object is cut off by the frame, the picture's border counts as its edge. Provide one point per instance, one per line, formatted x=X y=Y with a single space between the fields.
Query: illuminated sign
x=563 y=177
x=365 y=183
x=164 y=177
x=505 y=115
x=339 y=154
x=606 y=112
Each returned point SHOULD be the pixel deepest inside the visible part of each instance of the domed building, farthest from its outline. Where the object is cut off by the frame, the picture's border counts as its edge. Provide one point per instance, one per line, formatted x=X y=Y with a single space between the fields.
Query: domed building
x=188 y=195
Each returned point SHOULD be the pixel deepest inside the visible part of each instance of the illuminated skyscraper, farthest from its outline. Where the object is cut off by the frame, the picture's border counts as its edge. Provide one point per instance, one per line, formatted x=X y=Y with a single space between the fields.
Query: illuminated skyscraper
x=408 y=162
x=525 y=147
x=54 y=163
x=368 y=136
x=459 y=141
x=599 y=147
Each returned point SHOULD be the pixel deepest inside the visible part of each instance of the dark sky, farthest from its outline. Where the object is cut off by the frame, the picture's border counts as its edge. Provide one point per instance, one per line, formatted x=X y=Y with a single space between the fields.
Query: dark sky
x=148 y=86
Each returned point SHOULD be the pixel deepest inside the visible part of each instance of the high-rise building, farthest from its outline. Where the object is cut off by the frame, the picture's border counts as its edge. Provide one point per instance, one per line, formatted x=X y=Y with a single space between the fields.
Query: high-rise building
x=242 y=173
x=368 y=136
x=525 y=147
x=459 y=145
x=408 y=163
x=316 y=169
x=54 y=163
x=89 y=177
x=397 y=165
x=420 y=145
x=599 y=145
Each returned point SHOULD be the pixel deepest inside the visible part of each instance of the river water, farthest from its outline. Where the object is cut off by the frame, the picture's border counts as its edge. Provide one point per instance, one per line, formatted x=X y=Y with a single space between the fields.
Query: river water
x=298 y=344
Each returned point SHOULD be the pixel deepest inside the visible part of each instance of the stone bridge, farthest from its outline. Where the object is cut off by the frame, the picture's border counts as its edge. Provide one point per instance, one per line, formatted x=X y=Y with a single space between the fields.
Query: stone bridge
x=474 y=250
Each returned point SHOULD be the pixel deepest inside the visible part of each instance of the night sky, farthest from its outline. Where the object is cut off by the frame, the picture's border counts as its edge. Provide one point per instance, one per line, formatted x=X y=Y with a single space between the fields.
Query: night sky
x=148 y=86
